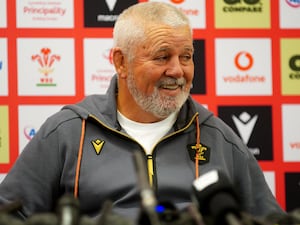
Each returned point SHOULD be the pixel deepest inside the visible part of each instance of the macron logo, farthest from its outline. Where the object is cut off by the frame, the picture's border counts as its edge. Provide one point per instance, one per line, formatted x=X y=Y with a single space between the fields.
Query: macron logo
x=111 y=4
x=245 y=125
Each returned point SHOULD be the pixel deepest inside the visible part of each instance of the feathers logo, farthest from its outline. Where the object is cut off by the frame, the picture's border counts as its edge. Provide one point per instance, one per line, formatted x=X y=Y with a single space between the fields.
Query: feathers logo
x=202 y=152
x=46 y=60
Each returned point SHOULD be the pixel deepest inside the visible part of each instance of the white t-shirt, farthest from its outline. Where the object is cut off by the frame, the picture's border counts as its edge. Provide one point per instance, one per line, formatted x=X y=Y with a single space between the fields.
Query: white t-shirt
x=147 y=134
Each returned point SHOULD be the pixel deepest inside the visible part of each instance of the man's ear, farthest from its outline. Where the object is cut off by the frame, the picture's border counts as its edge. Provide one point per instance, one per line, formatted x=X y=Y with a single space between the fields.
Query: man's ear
x=119 y=62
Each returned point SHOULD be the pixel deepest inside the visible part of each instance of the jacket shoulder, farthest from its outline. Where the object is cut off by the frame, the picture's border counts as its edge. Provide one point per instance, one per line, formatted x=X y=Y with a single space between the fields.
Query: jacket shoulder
x=58 y=119
x=228 y=135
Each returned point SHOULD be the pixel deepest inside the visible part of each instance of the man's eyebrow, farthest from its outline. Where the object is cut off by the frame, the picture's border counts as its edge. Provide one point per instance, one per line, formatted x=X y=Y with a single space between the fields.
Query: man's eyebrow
x=189 y=48
x=162 y=49
x=166 y=48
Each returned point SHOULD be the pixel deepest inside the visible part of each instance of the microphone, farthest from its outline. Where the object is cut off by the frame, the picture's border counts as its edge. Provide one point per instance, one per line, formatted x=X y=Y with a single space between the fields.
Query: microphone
x=106 y=209
x=68 y=212
x=109 y=218
x=42 y=219
x=194 y=214
x=148 y=199
x=216 y=199
x=11 y=207
x=291 y=218
x=6 y=219
x=7 y=212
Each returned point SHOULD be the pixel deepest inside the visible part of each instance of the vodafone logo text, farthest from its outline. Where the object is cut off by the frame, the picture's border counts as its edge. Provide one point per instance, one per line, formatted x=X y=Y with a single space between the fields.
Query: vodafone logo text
x=243 y=66
x=243 y=61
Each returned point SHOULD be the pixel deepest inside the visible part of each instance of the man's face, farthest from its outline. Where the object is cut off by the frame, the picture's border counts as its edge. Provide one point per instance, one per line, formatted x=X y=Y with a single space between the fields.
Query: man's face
x=162 y=69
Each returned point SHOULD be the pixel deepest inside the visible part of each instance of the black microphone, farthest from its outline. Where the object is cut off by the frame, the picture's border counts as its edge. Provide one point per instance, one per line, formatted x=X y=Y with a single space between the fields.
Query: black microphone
x=170 y=215
x=7 y=219
x=7 y=212
x=147 y=195
x=110 y=218
x=216 y=199
x=42 y=219
x=194 y=214
x=11 y=207
x=291 y=218
x=86 y=220
x=68 y=211
x=106 y=209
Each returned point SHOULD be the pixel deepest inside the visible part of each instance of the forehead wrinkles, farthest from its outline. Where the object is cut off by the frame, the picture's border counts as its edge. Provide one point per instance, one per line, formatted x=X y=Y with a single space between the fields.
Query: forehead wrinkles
x=163 y=38
x=163 y=41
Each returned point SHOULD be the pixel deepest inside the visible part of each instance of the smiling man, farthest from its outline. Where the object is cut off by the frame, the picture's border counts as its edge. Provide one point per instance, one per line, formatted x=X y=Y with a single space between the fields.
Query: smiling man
x=87 y=148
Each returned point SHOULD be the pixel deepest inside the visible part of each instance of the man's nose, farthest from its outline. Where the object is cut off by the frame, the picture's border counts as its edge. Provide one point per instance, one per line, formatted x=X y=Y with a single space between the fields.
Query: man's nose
x=174 y=68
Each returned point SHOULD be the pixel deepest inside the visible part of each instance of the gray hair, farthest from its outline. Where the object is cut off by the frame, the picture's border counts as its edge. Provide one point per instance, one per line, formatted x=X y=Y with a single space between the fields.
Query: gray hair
x=130 y=27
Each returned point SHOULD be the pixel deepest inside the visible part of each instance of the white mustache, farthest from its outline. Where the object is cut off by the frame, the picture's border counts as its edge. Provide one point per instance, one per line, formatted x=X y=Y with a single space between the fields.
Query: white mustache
x=171 y=81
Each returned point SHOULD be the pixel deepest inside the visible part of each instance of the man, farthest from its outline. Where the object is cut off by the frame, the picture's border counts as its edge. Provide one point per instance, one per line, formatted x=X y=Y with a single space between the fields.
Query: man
x=86 y=149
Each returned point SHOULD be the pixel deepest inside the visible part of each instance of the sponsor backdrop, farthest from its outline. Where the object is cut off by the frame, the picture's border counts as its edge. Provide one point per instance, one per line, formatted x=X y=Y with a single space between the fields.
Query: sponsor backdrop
x=247 y=71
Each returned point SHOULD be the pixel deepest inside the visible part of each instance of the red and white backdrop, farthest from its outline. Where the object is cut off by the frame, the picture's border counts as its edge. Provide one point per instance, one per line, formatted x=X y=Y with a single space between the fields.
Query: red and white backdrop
x=247 y=71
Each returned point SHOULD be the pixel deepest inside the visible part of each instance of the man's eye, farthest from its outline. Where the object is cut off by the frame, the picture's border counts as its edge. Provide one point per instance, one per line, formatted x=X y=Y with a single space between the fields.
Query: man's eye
x=185 y=57
x=161 y=58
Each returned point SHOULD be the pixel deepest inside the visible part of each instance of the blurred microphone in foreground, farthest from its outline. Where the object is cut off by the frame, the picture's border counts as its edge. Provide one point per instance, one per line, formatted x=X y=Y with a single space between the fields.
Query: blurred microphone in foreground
x=218 y=202
x=68 y=210
x=147 y=195
x=109 y=218
x=7 y=210
x=160 y=213
x=291 y=218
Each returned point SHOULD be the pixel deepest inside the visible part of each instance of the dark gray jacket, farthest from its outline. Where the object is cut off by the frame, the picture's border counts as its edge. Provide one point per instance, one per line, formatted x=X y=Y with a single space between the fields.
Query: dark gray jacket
x=46 y=169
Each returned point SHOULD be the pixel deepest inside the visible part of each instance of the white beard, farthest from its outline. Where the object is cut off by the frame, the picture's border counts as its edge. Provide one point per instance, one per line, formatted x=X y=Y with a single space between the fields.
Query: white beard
x=159 y=105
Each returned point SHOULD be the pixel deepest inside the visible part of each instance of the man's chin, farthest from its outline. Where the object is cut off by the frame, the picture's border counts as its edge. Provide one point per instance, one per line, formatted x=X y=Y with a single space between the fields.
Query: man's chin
x=168 y=111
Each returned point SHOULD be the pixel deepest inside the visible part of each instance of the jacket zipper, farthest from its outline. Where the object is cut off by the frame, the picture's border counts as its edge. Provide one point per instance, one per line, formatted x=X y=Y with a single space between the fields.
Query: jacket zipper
x=151 y=175
x=150 y=169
